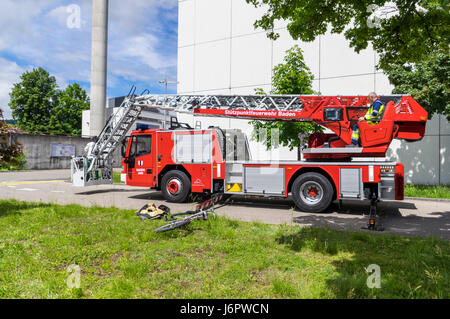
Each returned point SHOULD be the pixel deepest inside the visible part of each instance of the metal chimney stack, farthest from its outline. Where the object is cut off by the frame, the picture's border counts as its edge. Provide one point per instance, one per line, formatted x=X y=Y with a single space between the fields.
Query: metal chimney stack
x=99 y=65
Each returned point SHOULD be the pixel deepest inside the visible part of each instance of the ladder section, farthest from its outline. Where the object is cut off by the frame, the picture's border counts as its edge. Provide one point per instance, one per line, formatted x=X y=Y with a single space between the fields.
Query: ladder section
x=187 y=103
x=116 y=128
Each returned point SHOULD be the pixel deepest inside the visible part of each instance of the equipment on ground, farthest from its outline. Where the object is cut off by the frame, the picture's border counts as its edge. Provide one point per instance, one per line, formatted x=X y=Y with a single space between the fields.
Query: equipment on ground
x=202 y=210
x=181 y=160
x=150 y=211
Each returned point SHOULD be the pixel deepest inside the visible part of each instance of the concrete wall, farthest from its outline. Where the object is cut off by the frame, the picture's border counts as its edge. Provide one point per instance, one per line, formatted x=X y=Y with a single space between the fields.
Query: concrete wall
x=38 y=150
x=426 y=162
x=220 y=52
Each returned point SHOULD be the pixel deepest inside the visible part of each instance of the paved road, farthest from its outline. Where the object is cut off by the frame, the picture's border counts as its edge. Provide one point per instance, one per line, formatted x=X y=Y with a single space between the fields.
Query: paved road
x=409 y=217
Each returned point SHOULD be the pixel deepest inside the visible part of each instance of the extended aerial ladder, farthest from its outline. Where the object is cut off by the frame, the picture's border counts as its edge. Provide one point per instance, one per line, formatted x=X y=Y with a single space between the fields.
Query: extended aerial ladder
x=403 y=118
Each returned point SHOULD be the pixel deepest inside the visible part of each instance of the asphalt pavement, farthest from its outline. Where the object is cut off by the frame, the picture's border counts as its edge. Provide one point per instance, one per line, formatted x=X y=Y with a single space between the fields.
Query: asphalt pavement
x=411 y=217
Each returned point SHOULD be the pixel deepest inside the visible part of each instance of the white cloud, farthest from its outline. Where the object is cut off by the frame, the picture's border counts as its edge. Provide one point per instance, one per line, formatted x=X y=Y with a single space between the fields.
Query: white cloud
x=59 y=14
x=129 y=17
x=35 y=33
x=9 y=75
x=17 y=20
x=144 y=48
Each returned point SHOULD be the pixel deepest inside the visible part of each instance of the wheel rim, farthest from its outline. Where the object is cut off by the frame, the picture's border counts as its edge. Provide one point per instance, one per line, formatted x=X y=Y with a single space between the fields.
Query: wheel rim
x=174 y=186
x=311 y=193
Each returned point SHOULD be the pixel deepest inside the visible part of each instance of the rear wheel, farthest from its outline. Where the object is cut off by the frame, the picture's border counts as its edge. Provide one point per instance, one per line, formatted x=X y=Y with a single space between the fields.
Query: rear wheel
x=176 y=186
x=312 y=192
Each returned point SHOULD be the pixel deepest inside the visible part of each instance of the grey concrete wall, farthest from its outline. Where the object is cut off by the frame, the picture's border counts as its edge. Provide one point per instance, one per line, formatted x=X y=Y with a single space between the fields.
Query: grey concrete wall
x=426 y=162
x=38 y=150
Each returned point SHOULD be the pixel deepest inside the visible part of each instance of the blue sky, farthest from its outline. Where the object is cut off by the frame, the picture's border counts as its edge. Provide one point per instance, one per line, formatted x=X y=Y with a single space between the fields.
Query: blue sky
x=142 y=44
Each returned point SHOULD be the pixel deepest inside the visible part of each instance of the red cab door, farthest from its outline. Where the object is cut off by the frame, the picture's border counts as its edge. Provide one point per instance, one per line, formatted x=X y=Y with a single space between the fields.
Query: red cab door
x=141 y=161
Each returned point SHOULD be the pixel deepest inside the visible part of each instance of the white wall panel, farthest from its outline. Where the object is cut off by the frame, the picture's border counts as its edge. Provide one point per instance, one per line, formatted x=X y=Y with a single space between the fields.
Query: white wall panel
x=310 y=51
x=251 y=60
x=206 y=122
x=186 y=23
x=445 y=159
x=382 y=85
x=257 y=149
x=213 y=20
x=420 y=167
x=250 y=89
x=445 y=125
x=354 y=85
x=432 y=126
x=244 y=16
x=212 y=65
x=185 y=70
x=316 y=86
x=337 y=58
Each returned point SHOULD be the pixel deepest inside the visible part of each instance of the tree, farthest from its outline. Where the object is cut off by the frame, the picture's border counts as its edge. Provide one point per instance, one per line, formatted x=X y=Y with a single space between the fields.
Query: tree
x=40 y=107
x=400 y=30
x=66 y=116
x=32 y=100
x=291 y=77
x=11 y=151
x=426 y=81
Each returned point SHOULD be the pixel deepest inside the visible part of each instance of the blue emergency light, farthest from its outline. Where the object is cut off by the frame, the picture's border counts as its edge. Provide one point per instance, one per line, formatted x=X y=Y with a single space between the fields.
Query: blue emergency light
x=142 y=126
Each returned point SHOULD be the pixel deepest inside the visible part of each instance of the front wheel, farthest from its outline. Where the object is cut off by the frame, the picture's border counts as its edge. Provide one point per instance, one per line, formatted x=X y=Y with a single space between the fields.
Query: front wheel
x=312 y=192
x=176 y=186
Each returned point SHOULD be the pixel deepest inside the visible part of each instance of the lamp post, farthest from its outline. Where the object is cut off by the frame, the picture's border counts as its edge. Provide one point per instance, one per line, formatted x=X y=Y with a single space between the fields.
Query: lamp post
x=166 y=82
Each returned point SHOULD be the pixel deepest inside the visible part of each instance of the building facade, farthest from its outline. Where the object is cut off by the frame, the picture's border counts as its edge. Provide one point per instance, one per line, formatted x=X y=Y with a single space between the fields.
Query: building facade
x=220 y=52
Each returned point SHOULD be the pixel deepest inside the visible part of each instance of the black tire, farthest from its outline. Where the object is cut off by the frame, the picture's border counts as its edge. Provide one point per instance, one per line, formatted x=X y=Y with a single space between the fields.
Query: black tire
x=172 y=225
x=312 y=192
x=176 y=179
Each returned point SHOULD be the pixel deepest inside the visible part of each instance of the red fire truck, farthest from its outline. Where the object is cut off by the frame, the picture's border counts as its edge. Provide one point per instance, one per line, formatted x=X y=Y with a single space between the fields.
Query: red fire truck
x=181 y=160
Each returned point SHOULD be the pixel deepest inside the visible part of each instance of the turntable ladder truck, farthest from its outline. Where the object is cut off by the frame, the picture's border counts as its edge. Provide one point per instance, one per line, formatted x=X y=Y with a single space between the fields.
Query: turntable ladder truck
x=182 y=160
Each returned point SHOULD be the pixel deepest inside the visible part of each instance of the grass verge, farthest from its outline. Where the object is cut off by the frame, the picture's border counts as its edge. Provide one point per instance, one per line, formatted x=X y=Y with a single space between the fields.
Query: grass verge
x=116 y=178
x=120 y=257
x=427 y=191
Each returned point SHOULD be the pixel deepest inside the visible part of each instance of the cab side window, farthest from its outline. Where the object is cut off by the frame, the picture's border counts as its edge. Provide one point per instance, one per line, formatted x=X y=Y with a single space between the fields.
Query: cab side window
x=132 y=147
x=143 y=145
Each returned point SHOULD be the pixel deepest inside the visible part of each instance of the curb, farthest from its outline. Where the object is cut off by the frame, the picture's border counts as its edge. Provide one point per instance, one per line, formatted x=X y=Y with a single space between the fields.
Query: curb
x=430 y=199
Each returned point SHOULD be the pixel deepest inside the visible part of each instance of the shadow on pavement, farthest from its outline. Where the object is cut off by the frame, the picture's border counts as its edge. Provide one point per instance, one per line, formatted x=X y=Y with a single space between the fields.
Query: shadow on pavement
x=111 y=190
x=258 y=202
x=151 y=196
x=436 y=224
x=353 y=216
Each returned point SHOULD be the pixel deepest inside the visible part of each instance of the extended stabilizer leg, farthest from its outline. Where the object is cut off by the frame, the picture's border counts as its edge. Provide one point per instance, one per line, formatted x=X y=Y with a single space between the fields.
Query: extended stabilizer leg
x=372 y=224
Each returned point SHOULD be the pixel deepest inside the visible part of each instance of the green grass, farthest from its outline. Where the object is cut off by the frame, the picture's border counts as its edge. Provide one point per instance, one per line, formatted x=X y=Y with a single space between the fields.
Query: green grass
x=427 y=191
x=120 y=257
x=116 y=178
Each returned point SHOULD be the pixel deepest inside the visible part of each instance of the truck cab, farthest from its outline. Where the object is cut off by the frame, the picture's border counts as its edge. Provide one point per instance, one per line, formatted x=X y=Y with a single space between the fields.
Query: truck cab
x=182 y=160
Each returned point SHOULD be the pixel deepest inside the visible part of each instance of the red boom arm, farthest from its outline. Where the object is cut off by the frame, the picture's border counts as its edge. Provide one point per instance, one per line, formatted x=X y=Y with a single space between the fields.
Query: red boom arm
x=403 y=118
